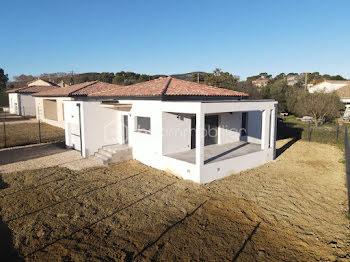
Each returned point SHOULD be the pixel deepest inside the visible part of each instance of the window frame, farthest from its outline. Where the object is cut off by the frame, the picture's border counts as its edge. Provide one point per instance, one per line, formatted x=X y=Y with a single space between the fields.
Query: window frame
x=143 y=131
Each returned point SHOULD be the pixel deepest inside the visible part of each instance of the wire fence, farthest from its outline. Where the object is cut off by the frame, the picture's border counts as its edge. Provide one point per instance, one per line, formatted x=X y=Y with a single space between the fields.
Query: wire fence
x=24 y=130
x=347 y=164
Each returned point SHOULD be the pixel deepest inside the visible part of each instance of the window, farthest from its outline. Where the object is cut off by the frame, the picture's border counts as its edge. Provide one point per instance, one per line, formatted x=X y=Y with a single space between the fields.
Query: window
x=244 y=129
x=143 y=124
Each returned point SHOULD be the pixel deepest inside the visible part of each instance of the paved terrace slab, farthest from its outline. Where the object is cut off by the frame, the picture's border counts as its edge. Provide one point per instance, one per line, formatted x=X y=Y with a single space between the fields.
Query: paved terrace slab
x=215 y=153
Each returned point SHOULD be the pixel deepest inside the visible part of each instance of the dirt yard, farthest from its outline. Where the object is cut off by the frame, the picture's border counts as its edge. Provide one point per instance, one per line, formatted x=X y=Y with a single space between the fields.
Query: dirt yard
x=290 y=210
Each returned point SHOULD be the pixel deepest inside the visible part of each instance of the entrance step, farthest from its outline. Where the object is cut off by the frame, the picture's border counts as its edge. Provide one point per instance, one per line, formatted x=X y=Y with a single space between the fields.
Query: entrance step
x=113 y=154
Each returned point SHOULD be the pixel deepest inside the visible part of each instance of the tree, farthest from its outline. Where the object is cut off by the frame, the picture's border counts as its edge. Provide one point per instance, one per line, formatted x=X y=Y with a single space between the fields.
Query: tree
x=221 y=79
x=3 y=79
x=321 y=106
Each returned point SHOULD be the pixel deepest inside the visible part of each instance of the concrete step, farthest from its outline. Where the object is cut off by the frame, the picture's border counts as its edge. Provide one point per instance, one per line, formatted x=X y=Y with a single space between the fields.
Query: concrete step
x=101 y=158
x=113 y=153
x=116 y=148
x=105 y=153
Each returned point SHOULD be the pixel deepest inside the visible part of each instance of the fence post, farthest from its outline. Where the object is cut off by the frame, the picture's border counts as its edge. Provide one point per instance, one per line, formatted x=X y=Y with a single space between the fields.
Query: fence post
x=347 y=163
x=5 y=145
x=39 y=132
x=337 y=134
x=309 y=131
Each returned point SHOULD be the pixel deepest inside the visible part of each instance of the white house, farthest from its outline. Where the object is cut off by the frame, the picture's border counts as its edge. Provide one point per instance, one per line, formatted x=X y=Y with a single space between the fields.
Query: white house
x=21 y=100
x=198 y=132
x=329 y=86
x=49 y=104
x=260 y=82
x=341 y=87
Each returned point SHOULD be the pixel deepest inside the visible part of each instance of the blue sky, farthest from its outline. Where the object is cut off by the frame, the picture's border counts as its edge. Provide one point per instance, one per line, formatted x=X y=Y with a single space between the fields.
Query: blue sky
x=175 y=36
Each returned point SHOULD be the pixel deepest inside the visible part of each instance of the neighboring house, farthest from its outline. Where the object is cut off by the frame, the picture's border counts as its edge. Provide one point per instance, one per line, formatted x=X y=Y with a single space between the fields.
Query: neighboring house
x=20 y=99
x=328 y=86
x=50 y=106
x=292 y=80
x=260 y=82
x=344 y=94
x=197 y=132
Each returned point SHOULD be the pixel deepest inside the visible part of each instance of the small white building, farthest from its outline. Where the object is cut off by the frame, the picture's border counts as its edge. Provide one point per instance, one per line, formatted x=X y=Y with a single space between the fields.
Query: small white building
x=21 y=101
x=197 y=132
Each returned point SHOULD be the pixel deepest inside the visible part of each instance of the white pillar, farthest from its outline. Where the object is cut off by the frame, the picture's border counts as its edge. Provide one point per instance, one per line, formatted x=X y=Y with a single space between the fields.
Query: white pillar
x=199 y=142
x=273 y=133
x=265 y=128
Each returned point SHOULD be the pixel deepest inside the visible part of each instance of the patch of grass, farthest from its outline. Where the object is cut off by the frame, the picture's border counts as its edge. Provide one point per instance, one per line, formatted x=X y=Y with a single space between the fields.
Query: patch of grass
x=326 y=134
x=28 y=133
x=347 y=216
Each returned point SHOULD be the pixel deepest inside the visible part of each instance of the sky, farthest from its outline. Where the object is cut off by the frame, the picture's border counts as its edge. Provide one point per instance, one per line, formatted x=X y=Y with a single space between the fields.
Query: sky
x=175 y=36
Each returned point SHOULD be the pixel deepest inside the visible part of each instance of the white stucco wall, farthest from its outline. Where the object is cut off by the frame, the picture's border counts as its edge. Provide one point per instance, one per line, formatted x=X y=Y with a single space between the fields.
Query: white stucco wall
x=150 y=148
x=176 y=125
x=229 y=127
x=40 y=114
x=254 y=127
x=27 y=105
x=39 y=82
x=98 y=126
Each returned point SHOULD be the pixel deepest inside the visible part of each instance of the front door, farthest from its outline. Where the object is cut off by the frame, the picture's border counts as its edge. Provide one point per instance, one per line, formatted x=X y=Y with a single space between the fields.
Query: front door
x=126 y=129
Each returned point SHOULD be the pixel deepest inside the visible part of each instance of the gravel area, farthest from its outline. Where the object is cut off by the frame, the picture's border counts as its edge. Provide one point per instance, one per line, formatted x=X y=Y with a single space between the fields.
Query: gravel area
x=69 y=158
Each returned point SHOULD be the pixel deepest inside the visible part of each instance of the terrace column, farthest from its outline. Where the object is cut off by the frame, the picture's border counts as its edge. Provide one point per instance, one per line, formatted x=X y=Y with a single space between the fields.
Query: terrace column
x=199 y=142
x=273 y=132
x=265 y=128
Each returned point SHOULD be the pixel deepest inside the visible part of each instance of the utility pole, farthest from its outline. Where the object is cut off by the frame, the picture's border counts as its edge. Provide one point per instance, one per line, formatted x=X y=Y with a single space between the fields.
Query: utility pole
x=198 y=78
x=305 y=81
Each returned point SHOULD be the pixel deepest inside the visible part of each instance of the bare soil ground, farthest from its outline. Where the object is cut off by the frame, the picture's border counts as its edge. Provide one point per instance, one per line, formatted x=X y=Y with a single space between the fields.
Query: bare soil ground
x=289 y=210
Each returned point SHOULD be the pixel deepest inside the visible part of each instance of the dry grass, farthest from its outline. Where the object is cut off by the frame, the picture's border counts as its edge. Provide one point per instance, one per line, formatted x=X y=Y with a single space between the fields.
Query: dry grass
x=28 y=133
x=284 y=211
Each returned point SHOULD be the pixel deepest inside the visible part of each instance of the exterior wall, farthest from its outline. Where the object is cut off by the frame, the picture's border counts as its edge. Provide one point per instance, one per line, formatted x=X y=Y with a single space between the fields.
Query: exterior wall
x=229 y=127
x=176 y=125
x=39 y=82
x=102 y=126
x=27 y=103
x=40 y=110
x=98 y=126
x=221 y=169
x=14 y=103
x=254 y=127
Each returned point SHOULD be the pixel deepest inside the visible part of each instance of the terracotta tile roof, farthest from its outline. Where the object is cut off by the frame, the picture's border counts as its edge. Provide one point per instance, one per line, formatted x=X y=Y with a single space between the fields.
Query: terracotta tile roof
x=94 y=88
x=344 y=92
x=35 y=89
x=64 y=91
x=261 y=80
x=167 y=87
x=82 y=89
x=14 y=90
